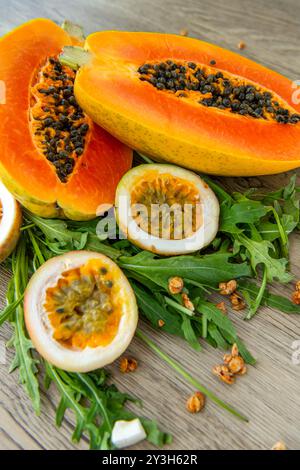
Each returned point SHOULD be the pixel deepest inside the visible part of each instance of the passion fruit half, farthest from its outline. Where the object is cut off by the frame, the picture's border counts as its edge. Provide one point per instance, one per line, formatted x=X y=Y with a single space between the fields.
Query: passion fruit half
x=80 y=311
x=10 y=222
x=166 y=209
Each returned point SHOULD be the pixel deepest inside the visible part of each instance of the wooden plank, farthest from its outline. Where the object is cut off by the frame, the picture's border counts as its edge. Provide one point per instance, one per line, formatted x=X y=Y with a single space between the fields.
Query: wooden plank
x=269 y=393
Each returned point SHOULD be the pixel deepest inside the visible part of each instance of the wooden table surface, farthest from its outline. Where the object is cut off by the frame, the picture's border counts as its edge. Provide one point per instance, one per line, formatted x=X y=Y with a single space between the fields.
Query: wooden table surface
x=269 y=393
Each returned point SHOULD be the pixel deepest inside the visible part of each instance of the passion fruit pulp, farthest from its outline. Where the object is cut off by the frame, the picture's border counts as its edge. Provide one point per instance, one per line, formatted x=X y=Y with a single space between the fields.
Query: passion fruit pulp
x=10 y=222
x=166 y=209
x=80 y=311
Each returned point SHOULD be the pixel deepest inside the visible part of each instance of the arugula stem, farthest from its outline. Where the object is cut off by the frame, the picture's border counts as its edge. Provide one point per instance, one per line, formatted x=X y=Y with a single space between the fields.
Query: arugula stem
x=23 y=359
x=85 y=379
x=256 y=304
x=147 y=159
x=178 y=368
x=36 y=248
x=64 y=390
x=26 y=227
x=283 y=236
x=204 y=326
x=204 y=287
x=8 y=311
x=179 y=307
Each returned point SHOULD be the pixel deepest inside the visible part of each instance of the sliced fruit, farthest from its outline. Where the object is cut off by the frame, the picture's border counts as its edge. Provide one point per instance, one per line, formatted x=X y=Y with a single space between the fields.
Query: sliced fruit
x=188 y=102
x=10 y=222
x=80 y=311
x=166 y=209
x=53 y=158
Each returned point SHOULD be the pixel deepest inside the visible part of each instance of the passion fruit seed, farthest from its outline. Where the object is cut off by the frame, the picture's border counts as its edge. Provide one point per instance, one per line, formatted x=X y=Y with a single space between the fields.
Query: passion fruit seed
x=80 y=305
x=59 y=126
x=218 y=89
x=165 y=199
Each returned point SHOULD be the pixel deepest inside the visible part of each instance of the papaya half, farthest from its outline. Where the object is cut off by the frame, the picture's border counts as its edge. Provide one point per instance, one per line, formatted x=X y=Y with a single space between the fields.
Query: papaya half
x=53 y=158
x=188 y=102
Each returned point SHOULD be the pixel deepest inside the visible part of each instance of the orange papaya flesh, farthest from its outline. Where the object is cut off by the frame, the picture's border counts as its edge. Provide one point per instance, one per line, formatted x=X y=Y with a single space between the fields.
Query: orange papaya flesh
x=53 y=158
x=175 y=98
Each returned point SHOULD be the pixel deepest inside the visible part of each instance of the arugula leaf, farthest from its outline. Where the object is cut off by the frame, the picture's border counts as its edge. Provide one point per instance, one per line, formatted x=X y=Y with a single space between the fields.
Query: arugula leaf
x=259 y=253
x=225 y=327
x=208 y=269
x=155 y=311
x=154 y=435
x=97 y=406
x=216 y=335
x=23 y=359
x=278 y=302
x=60 y=239
x=189 y=333
x=8 y=312
x=256 y=303
x=215 y=315
x=244 y=212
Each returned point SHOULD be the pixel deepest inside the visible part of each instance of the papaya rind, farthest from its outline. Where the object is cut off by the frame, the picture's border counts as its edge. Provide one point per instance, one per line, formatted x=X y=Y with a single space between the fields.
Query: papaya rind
x=10 y=223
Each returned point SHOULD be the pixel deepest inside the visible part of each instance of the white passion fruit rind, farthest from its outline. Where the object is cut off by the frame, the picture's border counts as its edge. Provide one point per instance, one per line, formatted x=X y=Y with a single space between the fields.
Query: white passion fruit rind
x=166 y=209
x=10 y=222
x=80 y=311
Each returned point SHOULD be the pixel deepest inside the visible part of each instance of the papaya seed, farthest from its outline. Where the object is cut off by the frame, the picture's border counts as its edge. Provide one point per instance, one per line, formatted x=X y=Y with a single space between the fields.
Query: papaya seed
x=228 y=93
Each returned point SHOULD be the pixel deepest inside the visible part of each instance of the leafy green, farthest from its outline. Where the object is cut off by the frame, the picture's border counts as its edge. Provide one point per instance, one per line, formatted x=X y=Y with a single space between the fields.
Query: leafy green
x=189 y=333
x=260 y=252
x=23 y=359
x=222 y=330
x=97 y=406
x=8 y=312
x=278 y=302
x=208 y=269
x=154 y=311
x=60 y=239
x=244 y=212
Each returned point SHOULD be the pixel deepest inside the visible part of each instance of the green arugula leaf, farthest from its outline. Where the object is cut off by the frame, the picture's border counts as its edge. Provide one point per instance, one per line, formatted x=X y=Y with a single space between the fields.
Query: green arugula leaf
x=97 y=406
x=23 y=359
x=60 y=239
x=217 y=336
x=278 y=302
x=244 y=212
x=154 y=311
x=189 y=333
x=225 y=327
x=8 y=312
x=215 y=315
x=259 y=253
x=208 y=269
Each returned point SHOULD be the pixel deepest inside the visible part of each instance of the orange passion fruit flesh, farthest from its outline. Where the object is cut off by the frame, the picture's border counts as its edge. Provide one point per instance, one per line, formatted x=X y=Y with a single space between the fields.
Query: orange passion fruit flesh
x=166 y=206
x=84 y=307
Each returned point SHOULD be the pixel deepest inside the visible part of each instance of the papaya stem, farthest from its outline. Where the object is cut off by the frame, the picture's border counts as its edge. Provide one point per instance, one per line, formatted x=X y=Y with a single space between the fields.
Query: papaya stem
x=74 y=57
x=73 y=30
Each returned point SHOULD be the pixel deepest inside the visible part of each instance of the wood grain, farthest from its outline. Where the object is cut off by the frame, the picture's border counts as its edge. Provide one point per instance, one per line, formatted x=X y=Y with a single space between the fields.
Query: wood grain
x=269 y=393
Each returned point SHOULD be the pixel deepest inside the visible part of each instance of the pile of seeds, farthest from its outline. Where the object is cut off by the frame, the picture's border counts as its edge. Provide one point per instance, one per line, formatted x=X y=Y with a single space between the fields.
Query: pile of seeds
x=233 y=366
x=217 y=90
x=58 y=124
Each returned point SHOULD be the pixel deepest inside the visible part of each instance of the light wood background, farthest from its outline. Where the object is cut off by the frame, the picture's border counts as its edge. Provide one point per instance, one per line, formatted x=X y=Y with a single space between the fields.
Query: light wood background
x=269 y=393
